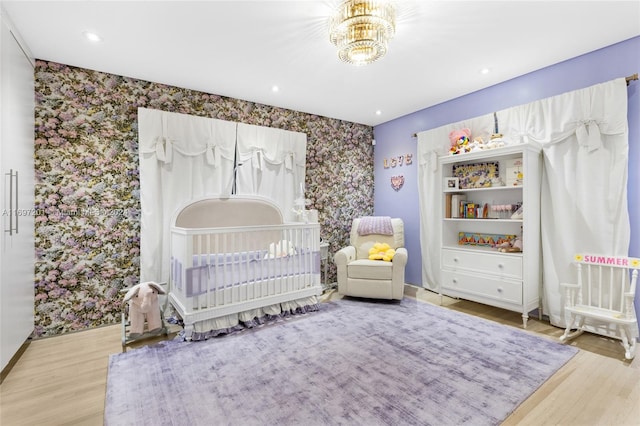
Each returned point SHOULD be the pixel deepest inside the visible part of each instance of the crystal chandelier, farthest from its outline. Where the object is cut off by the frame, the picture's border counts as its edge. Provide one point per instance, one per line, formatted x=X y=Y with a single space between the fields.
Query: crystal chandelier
x=360 y=29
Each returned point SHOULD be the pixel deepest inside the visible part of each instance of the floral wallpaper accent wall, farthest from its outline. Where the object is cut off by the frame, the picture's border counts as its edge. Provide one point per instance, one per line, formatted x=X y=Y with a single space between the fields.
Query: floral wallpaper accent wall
x=88 y=192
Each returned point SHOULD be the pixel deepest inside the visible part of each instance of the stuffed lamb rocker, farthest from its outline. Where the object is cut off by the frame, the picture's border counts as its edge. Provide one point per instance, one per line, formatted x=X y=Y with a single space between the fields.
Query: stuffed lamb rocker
x=143 y=303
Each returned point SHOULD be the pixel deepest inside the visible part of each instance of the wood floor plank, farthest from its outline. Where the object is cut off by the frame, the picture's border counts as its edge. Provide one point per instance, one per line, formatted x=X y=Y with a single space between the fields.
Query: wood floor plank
x=62 y=380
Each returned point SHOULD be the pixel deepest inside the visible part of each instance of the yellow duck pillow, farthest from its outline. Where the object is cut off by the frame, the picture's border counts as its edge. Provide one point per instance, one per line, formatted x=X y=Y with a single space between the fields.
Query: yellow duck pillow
x=381 y=251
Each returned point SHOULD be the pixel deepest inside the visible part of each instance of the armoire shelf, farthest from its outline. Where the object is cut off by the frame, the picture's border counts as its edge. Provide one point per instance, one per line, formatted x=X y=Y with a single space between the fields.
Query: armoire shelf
x=491 y=250
x=464 y=219
x=492 y=189
x=474 y=269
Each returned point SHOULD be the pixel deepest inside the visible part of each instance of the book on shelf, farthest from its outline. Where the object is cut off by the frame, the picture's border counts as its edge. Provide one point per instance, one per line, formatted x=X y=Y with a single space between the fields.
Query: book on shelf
x=514 y=172
x=457 y=205
x=447 y=206
x=470 y=210
x=473 y=210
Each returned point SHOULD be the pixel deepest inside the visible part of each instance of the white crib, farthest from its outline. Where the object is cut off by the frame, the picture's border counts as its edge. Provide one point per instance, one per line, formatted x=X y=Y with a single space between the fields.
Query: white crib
x=233 y=259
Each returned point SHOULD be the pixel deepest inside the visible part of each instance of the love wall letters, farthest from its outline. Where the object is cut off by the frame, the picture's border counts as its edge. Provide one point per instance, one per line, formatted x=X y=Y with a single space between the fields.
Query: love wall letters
x=400 y=160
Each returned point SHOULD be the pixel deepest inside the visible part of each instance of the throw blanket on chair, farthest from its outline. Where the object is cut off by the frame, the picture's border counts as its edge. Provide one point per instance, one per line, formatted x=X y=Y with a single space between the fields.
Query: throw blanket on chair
x=380 y=225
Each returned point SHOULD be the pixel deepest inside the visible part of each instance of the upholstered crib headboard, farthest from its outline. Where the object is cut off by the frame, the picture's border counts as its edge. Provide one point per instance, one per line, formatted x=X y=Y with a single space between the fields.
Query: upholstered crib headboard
x=235 y=211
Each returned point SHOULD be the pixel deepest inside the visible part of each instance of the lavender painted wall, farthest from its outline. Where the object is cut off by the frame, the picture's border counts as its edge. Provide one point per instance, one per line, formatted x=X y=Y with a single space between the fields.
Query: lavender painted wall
x=395 y=138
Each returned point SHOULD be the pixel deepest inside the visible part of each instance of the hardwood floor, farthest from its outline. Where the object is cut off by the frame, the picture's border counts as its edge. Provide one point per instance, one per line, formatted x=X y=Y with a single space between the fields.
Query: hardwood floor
x=62 y=380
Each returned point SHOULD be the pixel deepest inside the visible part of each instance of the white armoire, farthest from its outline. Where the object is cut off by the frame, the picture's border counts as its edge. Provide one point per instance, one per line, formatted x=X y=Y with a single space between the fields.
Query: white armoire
x=17 y=253
x=576 y=189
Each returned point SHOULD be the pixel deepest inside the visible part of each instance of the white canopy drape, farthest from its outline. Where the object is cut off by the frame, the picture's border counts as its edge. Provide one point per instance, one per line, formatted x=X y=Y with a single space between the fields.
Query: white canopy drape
x=584 y=136
x=181 y=157
x=272 y=164
x=432 y=144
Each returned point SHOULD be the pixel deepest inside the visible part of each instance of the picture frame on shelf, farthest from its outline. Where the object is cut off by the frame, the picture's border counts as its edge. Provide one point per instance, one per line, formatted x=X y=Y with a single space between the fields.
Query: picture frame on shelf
x=477 y=175
x=451 y=183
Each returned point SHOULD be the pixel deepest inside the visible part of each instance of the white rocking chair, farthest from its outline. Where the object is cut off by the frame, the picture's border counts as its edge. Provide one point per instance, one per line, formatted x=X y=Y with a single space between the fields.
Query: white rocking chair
x=602 y=300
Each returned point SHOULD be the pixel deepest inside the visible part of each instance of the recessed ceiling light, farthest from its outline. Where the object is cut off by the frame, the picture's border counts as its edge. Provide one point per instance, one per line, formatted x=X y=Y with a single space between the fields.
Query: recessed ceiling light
x=275 y=89
x=92 y=36
x=378 y=112
x=485 y=71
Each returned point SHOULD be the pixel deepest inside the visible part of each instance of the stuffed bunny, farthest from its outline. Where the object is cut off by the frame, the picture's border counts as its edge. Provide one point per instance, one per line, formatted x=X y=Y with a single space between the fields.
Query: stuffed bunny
x=280 y=249
x=143 y=303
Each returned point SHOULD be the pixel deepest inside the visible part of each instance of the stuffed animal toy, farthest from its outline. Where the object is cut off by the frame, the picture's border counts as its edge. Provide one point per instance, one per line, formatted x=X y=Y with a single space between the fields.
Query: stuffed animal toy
x=381 y=251
x=280 y=249
x=496 y=141
x=143 y=303
x=514 y=246
x=478 y=144
x=460 y=141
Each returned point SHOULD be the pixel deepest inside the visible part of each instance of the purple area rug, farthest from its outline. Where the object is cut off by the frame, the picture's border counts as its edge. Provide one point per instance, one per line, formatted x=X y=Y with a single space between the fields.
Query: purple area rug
x=354 y=362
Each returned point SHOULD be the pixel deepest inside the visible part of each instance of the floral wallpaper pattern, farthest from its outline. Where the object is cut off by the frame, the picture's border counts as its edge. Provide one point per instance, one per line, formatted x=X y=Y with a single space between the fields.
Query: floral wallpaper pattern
x=88 y=194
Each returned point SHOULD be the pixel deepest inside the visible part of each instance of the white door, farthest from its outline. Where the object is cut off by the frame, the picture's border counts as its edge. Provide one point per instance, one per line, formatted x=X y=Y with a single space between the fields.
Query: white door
x=17 y=255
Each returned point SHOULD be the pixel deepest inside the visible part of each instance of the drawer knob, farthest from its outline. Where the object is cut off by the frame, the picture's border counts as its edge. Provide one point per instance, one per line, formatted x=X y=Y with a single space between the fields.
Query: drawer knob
x=500 y=290
x=500 y=265
x=455 y=259
x=455 y=281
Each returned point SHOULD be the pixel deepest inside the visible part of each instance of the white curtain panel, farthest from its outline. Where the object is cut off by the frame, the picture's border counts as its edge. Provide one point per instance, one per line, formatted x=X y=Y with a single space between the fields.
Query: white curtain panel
x=182 y=157
x=271 y=163
x=584 y=135
x=431 y=145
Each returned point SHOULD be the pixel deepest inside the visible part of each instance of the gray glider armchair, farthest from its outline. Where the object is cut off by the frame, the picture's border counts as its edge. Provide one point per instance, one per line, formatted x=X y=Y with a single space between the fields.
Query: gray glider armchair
x=360 y=277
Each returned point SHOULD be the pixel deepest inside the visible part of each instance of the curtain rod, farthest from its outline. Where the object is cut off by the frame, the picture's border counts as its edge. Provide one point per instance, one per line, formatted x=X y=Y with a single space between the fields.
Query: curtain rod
x=629 y=79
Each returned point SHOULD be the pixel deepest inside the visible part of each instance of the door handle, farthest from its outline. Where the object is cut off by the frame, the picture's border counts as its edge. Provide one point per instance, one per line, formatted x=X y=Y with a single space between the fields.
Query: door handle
x=13 y=211
x=16 y=209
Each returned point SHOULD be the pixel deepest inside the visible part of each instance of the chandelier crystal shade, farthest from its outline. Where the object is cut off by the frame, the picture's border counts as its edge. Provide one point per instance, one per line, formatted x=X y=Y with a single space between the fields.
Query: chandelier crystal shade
x=361 y=29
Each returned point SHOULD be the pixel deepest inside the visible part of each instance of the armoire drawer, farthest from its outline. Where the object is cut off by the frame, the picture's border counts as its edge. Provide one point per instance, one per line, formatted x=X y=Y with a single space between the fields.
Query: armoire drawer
x=503 y=265
x=482 y=286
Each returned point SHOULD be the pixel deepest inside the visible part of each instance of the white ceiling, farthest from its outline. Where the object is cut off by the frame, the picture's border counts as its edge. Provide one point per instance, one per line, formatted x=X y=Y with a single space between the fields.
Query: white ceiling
x=241 y=49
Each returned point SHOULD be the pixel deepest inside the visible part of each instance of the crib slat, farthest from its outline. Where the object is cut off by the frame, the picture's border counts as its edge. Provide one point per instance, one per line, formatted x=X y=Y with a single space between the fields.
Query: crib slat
x=225 y=275
x=235 y=289
x=302 y=253
x=198 y=249
x=205 y=254
x=216 y=264
x=288 y=263
x=235 y=273
x=291 y=261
